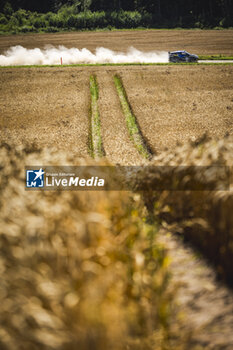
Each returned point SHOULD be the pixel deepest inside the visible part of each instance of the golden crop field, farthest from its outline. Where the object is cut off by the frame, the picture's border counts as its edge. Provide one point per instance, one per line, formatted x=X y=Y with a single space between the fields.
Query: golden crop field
x=51 y=106
x=112 y=269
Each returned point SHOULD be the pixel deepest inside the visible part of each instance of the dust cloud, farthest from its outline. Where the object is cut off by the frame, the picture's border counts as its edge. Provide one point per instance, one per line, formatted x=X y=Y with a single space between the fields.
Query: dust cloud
x=50 y=55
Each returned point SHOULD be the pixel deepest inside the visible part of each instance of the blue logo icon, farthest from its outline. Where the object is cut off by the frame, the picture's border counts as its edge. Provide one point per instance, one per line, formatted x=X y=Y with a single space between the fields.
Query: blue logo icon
x=35 y=178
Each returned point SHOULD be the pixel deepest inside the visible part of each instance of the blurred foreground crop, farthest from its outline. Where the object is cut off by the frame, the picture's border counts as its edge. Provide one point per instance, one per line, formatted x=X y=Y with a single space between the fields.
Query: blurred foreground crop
x=85 y=270
x=78 y=270
x=203 y=217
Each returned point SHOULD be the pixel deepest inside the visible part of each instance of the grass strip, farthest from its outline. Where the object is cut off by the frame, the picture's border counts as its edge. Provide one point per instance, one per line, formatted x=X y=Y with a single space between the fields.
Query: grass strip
x=120 y=64
x=215 y=57
x=96 y=148
x=92 y=65
x=131 y=120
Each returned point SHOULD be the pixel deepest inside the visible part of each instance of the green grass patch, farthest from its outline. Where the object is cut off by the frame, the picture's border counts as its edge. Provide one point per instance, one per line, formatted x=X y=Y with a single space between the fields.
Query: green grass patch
x=131 y=120
x=95 y=143
x=116 y=64
x=215 y=57
x=90 y=65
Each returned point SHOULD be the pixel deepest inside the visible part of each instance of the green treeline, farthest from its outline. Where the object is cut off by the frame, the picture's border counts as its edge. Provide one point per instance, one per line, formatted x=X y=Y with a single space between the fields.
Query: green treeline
x=56 y=15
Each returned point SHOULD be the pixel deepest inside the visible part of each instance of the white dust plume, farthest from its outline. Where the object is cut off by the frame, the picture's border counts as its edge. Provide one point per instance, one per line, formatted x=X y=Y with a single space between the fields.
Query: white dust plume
x=18 y=55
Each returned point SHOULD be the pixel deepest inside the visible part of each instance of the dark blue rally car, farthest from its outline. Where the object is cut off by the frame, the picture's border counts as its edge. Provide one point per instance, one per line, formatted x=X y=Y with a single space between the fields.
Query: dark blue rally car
x=182 y=56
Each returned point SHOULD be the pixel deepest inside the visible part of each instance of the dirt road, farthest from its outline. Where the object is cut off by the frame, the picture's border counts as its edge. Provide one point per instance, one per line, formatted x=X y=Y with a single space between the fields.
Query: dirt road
x=201 y=42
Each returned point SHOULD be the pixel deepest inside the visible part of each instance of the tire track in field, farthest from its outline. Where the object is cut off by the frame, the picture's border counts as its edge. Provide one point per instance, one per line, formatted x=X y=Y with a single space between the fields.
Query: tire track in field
x=131 y=121
x=95 y=142
x=117 y=144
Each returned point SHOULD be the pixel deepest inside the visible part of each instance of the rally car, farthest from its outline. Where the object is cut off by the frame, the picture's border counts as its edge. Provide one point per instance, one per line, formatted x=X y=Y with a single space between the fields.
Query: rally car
x=182 y=56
